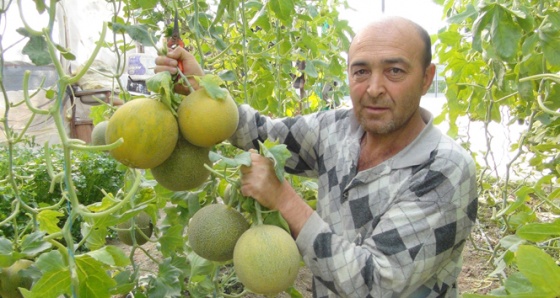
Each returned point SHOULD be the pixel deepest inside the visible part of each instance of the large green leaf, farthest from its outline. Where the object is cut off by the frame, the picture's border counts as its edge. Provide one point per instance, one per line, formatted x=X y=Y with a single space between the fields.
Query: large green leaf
x=52 y=284
x=48 y=221
x=36 y=50
x=172 y=240
x=484 y=18
x=139 y=33
x=504 y=34
x=283 y=9
x=33 y=244
x=167 y=283
x=110 y=255
x=540 y=269
x=94 y=279
x=538 y=232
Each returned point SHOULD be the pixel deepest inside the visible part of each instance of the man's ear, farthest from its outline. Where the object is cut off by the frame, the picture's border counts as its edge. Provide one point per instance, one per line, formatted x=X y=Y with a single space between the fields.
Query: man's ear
x=429 y=75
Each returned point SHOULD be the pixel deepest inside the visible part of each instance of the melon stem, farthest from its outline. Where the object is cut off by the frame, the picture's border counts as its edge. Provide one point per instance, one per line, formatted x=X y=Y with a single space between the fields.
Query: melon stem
x=191 y=88
x=258 y=212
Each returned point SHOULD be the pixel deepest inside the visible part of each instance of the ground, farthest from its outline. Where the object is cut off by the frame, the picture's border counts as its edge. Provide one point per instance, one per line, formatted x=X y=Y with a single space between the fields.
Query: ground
x=474 y=279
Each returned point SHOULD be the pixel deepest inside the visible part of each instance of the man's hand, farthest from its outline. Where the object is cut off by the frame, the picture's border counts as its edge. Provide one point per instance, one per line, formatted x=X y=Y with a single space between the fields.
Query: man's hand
x=260 y=182
x=170 y=62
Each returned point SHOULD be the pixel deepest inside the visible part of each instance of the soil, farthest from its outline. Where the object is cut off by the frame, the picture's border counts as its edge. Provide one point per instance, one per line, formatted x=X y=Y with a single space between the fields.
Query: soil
x=475 y=277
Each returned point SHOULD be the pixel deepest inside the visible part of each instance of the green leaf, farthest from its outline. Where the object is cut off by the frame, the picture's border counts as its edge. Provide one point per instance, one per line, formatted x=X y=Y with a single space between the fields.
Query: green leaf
x=96 y=235
x=243 y=158
x=139 y=33
x=223 y=6
x=469 y=12
x=517 y=283
x=511 y=242
x=294 y=293
x=106 y=203
x=278 y=153
x=505 y=34
x=200 y=267
x=538 y=232
x=211 y=84
x=539 y=268
x=48 y=221
x=33 y=244
x=110 y=255
x=147 y=4
x=283 y=9
x=51 y=284
x=228 y=75
x=162 y=84
x=50 y=261
x=65 y=53
x=167 y=283
x=36 y=50
x=479 y=25
x=172 y=240
x=97 y=113
x=124 y=282
x=551 y=44
x=310 y=69
x=93 y=277
x=276 y=219
x=522 y=196
x=6 y=252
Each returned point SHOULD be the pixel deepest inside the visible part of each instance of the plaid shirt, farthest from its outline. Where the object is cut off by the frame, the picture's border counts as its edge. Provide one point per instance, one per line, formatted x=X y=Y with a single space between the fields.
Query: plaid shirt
x=394 y=230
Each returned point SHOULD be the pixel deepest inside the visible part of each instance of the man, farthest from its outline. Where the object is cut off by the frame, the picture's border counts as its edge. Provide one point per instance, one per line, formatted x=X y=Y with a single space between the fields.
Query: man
x=397 y=198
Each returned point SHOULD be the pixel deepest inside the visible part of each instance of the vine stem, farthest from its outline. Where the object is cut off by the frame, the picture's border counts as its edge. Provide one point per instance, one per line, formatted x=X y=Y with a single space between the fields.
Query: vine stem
x=245 y=52
x=258 y=212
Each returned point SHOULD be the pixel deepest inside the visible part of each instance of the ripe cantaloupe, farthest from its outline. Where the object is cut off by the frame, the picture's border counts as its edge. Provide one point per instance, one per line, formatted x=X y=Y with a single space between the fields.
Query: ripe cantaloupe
x=184 y=168
x=266 y=260
x=213 y=231
x=205 y=121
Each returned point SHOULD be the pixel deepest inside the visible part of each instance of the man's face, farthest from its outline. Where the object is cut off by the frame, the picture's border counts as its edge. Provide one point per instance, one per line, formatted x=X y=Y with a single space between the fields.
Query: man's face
x=387 y=77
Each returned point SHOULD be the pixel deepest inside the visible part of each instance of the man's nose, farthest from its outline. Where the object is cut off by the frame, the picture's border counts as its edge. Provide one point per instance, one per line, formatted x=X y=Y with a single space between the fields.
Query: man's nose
x=376 y=86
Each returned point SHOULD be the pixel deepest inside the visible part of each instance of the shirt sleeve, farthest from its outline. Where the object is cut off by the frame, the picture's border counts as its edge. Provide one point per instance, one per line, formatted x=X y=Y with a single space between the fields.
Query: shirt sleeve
x=300 y=134
x=415 y=244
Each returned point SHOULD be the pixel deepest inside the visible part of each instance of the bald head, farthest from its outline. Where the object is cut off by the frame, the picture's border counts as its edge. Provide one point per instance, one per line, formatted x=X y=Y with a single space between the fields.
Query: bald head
x=401 y=26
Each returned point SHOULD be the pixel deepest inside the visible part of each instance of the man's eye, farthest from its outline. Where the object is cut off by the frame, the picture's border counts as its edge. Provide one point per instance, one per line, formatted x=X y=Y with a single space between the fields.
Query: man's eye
x=360 y=72
x=395 y=71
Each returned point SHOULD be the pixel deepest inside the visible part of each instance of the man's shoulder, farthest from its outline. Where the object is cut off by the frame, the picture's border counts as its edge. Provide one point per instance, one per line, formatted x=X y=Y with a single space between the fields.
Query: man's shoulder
x=451 y=150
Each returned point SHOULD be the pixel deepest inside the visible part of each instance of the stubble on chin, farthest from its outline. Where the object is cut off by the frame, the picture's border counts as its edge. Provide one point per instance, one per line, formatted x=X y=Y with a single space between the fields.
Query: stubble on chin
x=376 y=125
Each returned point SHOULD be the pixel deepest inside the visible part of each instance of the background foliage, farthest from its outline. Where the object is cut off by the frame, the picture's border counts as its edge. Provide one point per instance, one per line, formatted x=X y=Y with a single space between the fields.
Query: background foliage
x=502 y=67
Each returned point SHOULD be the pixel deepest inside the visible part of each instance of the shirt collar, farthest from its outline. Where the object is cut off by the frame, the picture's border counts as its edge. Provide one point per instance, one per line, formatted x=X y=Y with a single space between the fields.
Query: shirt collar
x=415 y=153
x=423 y=145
